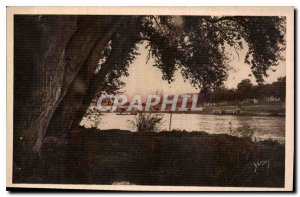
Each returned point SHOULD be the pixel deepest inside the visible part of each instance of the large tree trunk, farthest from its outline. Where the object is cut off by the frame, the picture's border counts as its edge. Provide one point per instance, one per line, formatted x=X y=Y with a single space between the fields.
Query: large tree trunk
x=83 y=89
x=49 y=52
x=39 y=50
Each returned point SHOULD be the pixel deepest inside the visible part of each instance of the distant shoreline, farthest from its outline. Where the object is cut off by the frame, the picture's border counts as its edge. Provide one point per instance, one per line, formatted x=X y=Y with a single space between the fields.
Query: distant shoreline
x=201 y=113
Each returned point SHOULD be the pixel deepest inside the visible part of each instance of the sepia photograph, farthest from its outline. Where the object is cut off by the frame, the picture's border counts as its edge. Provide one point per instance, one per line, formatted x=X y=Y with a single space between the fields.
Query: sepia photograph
x=150 y=99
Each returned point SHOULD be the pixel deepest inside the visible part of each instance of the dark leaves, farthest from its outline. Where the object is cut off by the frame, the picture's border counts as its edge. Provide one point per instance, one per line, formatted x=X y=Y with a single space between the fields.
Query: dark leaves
x=198 y=45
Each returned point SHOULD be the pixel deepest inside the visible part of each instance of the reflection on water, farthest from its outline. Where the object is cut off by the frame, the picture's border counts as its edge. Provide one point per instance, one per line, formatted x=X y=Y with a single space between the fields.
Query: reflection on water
x=266 y=126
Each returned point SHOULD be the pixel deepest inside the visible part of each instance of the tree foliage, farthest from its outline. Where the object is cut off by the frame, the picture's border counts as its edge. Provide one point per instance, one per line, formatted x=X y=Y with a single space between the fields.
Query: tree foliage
x=197 y=45
x=246 y=90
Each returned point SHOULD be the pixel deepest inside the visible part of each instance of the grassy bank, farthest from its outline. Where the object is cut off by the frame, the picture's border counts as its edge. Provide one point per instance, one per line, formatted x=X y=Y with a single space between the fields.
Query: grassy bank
x=90 y=156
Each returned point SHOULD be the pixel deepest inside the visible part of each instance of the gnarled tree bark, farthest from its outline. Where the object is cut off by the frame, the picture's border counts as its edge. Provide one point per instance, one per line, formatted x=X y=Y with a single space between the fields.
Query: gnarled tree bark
x=52 y=50
x=86 y=84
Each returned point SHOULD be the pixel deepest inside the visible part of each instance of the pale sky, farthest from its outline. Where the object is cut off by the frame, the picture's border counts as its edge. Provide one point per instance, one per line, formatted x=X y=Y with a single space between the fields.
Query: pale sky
x=145 y=79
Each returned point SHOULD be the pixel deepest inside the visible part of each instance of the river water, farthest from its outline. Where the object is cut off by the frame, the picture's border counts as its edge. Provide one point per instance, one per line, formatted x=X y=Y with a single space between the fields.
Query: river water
x=265 y=126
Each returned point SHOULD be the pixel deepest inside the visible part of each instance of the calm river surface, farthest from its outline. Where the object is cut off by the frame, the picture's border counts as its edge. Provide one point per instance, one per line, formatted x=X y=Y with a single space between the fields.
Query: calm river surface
x=266 y=126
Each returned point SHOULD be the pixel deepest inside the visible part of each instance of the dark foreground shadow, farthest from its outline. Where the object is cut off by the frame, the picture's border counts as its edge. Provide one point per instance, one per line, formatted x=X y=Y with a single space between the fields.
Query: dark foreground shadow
x=90 y=156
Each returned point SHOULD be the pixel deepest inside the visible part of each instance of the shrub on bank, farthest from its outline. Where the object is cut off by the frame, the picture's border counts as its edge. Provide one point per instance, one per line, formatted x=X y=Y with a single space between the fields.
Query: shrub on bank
x=147 y=122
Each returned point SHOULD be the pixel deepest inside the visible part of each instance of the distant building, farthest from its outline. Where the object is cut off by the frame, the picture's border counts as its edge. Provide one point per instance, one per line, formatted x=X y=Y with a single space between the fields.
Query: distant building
x=217 y=111
x=231 y=110
x=271 y=99
x=249 y=101
x=227 y=110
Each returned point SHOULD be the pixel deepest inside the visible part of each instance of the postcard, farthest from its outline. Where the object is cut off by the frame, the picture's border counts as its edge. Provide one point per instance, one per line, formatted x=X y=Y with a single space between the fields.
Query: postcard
x=150 y=98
